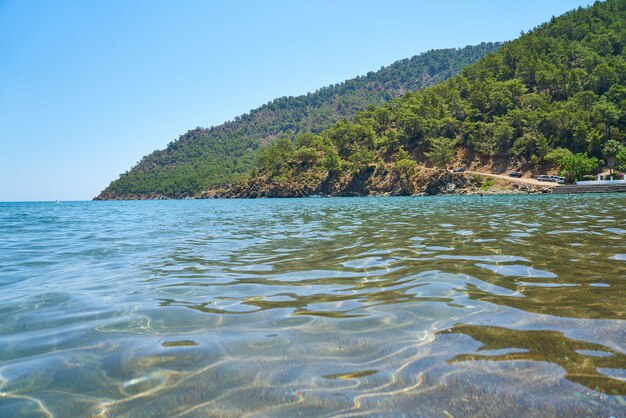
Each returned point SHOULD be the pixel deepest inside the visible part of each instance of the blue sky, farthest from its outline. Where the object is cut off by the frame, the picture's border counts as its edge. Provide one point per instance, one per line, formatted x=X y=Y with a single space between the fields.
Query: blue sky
x=89 y=87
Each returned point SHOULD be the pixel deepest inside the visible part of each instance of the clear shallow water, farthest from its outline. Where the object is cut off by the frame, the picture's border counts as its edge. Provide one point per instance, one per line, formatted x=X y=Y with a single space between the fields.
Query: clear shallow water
x=493 y=306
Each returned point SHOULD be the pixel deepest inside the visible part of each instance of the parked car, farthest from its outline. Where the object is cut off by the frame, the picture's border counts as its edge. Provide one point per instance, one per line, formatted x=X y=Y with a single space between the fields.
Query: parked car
x=516 y=174
x=557 y=179
x=458 y=170
x=543 y=178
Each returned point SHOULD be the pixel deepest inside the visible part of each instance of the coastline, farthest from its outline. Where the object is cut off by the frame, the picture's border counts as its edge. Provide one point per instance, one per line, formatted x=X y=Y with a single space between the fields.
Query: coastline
x=434 y=184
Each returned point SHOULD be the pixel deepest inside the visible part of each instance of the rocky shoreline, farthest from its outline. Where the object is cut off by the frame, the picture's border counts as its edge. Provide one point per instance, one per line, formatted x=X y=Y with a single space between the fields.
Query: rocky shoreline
x=434 y=185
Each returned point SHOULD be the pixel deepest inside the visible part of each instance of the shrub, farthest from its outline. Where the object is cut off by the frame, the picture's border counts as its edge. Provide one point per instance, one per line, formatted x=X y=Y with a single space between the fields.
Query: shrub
x=487 y=184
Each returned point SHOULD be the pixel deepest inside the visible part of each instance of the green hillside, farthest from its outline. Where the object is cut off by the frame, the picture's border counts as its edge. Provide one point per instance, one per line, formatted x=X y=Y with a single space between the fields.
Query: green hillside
x=554 y=96
x=203 y=158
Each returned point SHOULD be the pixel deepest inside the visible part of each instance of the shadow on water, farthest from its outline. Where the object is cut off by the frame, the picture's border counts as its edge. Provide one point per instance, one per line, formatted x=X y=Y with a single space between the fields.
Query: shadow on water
x=581 y=360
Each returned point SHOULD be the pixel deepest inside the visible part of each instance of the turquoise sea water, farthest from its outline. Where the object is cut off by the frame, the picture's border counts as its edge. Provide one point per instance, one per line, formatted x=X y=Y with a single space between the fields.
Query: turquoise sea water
x=493 y=306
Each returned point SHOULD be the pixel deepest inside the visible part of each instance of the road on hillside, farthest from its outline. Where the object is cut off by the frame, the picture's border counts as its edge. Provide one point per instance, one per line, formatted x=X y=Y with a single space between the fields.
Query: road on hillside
x=519 y=180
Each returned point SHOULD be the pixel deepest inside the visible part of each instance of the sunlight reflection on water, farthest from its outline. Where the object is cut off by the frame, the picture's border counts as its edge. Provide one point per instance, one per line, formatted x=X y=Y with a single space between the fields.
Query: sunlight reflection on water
x=314 y=306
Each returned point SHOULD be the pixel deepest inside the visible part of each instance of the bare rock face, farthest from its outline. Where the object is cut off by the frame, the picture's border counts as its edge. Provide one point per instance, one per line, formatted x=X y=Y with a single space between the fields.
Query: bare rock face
x=446 y=183
x=372 y=181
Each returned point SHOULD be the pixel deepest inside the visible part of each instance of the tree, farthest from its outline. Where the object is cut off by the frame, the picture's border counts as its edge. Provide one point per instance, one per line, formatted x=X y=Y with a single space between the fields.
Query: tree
x=441 y=152
x=306 y=155
x=575 y=166
x=558 y=155
x=276 y=156
x=405 y=166
x=620 y=159
x=361 y=157
x=205 y=158
x=607 y=113
x=611 y=149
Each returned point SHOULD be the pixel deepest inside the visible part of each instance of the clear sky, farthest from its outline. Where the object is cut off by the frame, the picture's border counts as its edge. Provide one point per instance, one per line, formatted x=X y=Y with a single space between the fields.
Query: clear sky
x=89 y=87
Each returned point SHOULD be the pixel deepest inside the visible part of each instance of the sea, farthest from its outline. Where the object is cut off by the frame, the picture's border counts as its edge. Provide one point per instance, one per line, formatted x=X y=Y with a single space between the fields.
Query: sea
x=458 y=306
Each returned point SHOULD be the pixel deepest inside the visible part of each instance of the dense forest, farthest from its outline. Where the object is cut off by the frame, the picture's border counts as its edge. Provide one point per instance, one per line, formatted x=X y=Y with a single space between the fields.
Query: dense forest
x=203 y=158
x=554 y=97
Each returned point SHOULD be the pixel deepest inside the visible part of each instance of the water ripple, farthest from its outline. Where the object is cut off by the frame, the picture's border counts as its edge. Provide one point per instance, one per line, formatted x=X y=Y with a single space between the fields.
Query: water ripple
x=314 y=306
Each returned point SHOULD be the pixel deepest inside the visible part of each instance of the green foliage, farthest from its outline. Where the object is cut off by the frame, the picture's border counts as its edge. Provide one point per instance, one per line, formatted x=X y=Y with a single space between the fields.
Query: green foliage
x=578 y=165
x=556 y=94
x=204 y=158
x=276 y=156
x=487 y=184
x=441 y=152
x=620 y=159
x=195 y=162
x=574 y=166
x=361 y=157
x=611 y=149
x=558 y=155
x=405 y=166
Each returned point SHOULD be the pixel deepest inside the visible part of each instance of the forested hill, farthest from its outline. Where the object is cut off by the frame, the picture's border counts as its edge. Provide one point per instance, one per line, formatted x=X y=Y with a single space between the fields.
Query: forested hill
x=553 y=98
x=203 y=158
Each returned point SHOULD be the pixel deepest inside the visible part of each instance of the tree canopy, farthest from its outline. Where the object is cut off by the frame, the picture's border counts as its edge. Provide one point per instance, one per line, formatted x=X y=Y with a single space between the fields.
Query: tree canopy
x=561 y=86
x=203 y=158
